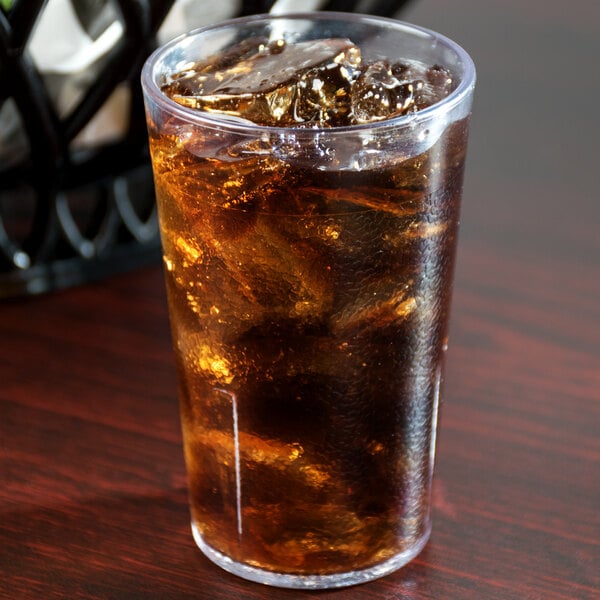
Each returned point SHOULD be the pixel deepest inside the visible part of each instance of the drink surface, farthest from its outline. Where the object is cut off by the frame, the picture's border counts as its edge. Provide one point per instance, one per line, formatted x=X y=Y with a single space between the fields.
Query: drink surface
x=309 y=313
x=318 y=82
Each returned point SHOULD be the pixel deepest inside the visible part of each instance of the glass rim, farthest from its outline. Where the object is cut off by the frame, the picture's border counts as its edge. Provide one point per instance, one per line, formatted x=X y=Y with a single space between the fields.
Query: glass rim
x=216 y=121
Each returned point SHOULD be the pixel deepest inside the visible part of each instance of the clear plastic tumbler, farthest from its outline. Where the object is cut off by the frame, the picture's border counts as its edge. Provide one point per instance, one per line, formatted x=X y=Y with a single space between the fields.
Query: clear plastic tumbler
x=309 y=275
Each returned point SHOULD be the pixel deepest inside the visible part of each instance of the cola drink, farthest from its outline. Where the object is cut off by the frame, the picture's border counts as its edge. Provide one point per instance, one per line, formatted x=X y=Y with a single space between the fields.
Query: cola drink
x=309 y=220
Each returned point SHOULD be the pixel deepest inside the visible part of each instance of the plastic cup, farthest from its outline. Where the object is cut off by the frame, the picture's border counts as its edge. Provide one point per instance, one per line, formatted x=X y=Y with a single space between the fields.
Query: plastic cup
x=309 y=275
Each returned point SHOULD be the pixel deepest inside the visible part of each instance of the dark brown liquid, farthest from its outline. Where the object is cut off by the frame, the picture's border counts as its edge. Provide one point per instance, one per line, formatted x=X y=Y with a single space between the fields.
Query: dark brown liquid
x=309 y=312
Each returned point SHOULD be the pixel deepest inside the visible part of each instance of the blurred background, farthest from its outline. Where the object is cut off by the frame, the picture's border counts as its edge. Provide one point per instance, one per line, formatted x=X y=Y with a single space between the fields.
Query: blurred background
x=532 y=155
x=76 y=199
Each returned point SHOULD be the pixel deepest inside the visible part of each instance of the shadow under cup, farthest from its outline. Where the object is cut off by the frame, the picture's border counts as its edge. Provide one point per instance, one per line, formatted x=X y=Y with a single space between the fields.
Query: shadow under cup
x=309 y=275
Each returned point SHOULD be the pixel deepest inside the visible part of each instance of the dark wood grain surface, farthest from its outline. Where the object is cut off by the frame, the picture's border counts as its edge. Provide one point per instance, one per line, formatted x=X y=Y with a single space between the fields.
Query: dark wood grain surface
x=92 y=483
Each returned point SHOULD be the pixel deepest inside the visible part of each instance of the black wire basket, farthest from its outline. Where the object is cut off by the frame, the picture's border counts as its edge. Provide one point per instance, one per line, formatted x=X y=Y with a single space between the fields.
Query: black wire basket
x=76 y=201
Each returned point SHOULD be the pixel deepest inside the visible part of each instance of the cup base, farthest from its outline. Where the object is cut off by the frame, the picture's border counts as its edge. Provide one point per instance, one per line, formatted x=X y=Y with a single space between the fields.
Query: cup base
x=310 y=582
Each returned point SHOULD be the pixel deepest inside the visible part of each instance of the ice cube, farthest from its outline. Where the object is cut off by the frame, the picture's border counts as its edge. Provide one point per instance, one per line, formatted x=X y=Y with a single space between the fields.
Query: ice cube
x=398 y=202
x=272 y=84
x=424 y=85
x=323 y=94
x=375 y=312
x=374 y=94
x=257 y=451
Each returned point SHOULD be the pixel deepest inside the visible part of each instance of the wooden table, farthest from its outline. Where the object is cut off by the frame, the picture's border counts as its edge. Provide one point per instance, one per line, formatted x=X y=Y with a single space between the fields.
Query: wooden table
x=92 y=483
